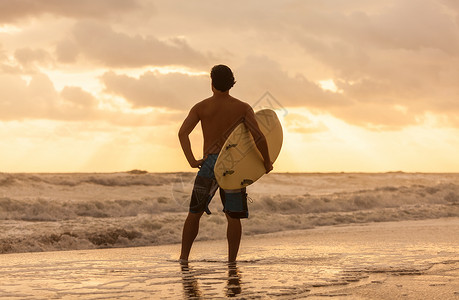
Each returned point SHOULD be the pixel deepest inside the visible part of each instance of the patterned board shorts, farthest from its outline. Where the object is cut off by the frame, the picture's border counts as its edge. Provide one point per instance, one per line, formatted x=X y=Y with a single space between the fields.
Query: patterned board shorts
x=205 y=185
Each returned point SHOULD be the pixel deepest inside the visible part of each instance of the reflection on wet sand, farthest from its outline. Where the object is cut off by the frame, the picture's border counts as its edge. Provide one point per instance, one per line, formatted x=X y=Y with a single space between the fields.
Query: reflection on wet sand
x=234 y=281
x=190 y=283
x=192 y=289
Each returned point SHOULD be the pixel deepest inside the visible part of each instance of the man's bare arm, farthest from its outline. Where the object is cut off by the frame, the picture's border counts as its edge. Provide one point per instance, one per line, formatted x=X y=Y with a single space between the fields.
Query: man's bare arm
x=187 y=127
x=259 y=138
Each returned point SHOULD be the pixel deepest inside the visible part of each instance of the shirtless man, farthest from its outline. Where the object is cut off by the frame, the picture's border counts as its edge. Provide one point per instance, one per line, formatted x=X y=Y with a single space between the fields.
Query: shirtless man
x=219 y=115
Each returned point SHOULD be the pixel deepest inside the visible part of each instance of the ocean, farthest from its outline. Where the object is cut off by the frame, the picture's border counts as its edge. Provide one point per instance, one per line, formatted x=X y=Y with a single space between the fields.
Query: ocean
x=78 y=211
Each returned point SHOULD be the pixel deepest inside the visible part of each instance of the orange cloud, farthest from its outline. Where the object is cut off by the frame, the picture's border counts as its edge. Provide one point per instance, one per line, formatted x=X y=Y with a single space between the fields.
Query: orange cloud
x=100 y=44
x=258 y=74
x=13 y=11
x=393 y=62
x=28 y=57
x=173 y=90
x=301 y=124
x=78 y=96
x=40 y=100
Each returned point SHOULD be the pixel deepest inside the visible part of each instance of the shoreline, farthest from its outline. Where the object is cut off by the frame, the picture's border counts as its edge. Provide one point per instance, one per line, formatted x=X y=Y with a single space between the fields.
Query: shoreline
x=276 y=234
x=435 y=282
x=344 y=261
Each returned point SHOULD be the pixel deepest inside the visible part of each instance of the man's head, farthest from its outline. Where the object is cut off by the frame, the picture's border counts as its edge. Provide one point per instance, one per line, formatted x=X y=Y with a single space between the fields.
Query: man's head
x=222 y=78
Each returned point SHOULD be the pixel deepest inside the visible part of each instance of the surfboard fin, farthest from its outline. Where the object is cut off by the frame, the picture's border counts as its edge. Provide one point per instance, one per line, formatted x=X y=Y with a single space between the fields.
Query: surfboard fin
x=228 y=172
x=230 y=146
x=246 y=181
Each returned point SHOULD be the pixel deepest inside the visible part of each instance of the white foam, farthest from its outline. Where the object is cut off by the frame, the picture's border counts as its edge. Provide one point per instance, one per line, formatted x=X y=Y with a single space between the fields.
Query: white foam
x=42 y=212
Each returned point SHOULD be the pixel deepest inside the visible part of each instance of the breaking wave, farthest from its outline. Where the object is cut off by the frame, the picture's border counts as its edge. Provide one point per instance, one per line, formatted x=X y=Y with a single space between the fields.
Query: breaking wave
x=43 y=212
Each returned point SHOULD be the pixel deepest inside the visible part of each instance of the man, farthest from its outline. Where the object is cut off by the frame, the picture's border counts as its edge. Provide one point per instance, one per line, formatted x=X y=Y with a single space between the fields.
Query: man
x=219 y=115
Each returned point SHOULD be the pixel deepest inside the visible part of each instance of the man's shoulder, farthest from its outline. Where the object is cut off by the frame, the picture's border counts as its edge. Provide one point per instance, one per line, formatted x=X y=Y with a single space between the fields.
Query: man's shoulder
x=241 y=103
x=207 y=103
x=202 y=103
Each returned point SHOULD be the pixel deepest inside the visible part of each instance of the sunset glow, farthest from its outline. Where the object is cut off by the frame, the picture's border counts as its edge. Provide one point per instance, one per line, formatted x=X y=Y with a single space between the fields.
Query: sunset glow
x=103 y=86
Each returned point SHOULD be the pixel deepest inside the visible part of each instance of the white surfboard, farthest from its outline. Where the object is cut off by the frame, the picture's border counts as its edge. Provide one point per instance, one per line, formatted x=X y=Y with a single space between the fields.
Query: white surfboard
x=239 y=162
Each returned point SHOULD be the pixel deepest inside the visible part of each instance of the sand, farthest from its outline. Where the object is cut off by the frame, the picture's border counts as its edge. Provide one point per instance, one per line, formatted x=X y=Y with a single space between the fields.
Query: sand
x=387 y=260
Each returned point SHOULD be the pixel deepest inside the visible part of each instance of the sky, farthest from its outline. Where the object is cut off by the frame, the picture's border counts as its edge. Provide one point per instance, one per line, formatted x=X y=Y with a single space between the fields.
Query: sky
x=103 y=86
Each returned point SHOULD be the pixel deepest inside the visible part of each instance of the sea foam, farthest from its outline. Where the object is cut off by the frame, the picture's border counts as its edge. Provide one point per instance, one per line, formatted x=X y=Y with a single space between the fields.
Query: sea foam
x=43 y=212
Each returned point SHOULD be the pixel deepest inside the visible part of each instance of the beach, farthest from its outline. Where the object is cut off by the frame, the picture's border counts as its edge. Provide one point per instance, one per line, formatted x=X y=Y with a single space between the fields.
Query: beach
x=309 y=235
x=109 y=110
x=389 y=260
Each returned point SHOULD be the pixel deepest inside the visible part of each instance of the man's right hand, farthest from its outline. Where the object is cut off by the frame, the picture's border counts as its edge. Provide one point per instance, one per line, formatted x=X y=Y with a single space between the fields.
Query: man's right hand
x=268 y=166
x=197 y=163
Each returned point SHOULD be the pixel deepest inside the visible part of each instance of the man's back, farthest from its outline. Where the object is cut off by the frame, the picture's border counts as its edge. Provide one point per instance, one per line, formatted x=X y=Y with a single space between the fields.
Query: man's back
x=219 y=115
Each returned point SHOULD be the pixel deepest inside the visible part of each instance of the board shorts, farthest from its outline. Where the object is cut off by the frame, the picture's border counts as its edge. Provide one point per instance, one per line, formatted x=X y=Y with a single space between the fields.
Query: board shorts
x=205 y=185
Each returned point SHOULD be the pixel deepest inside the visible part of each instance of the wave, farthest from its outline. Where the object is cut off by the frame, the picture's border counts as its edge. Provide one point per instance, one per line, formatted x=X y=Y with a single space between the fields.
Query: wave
x=130 y=178
x=44 y=212
x=381 y=197
x=50 y=209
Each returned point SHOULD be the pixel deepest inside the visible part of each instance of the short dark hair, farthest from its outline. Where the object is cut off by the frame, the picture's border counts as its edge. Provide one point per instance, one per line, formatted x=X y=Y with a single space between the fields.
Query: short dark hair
x=222 y=78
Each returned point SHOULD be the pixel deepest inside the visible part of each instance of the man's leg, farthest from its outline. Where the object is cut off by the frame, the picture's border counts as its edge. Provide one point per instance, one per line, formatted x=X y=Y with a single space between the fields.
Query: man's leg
x=190 y=231
x=233 y=233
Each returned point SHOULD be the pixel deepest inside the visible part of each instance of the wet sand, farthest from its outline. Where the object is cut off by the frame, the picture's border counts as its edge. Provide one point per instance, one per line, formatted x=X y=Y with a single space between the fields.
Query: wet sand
x=393 y=260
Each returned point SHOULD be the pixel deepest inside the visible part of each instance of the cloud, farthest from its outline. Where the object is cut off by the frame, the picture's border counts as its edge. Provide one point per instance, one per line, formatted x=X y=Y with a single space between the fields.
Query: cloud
x=453 y=5
x=173 y=90
x=78 y=96
x=375 y=101
x=256 y=76
x=404 y=24
x=100 y=44
x=259 y=74
x=377 y=116
x=369 y=103
x=393 y=62
x=298 y=123
x=16 y=10
x=5 y=64
x=362 y=44
x=400 y=54
x=17 y=99
x=40 y=100
x=66 y=51
x=2 y=53
x=28 y=57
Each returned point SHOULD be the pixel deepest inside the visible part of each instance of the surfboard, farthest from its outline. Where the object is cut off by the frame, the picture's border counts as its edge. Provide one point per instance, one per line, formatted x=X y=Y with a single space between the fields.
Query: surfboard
x=239 y=162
